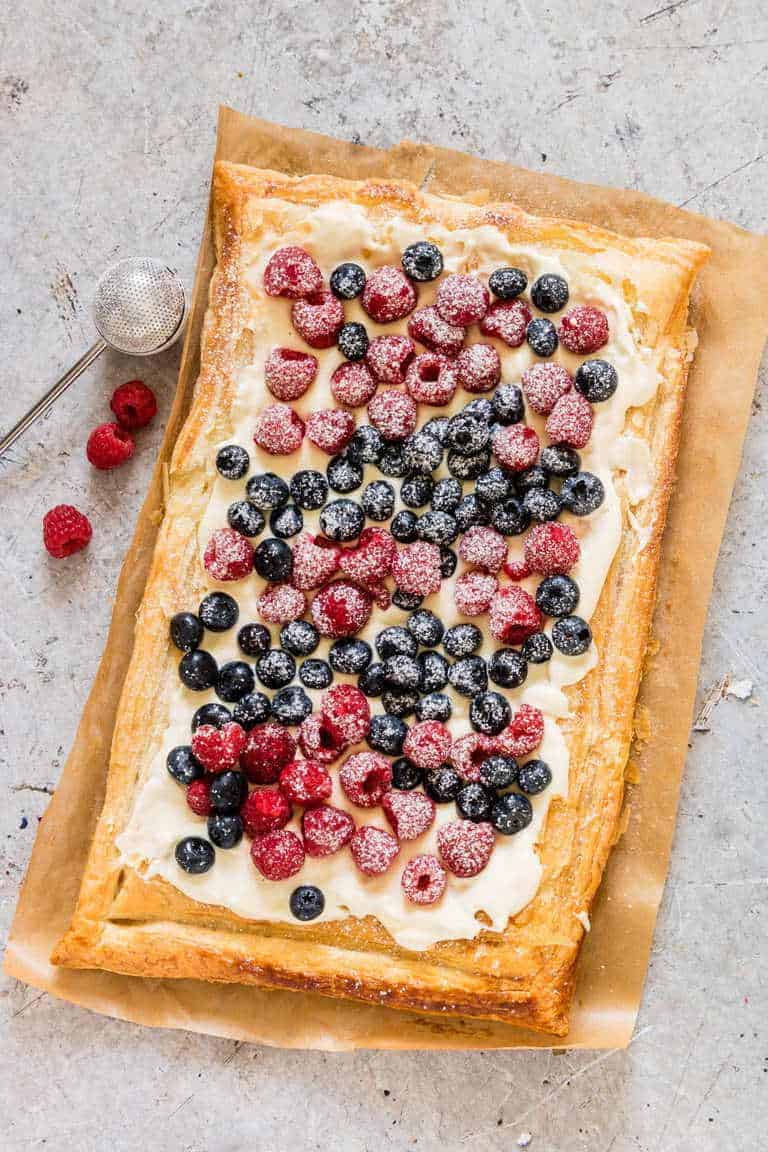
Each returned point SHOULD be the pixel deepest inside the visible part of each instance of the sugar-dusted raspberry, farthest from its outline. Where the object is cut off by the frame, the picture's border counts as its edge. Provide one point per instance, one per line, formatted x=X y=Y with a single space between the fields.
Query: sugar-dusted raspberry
x=318 y=742
x=468 y=753
x=544 y=384
x=199 y=797
x=416 y=568
x=373 y=850
x=570 y=421
x=551 y=549
x=278 y=855
x=341 y=609
x=428 y=327
x=381 y=595
x=293 y=273
x=428 y=744
x=268 y=748
x=280 y=603
x=326 y=830
x=473 y=592
x=513 y=615
x=432 y=379
x=65 y=531
x=352 y=384
x=218 y=748
x=288 y=373
x=313 y=563
x=134 y=404
x=524 y=732
x=318 y=318
x=347 y=713
x=365 y=777
x=265 y=810
x=508 y=320
x=388 y=358
x=108 y=446
x=279 y=430
x=462 y=299
x=479 y=368
x=228 y=555
x=583 y=329
x=330 y=429
x=306 y=782
x=409 y=813
x=465 y=847
x=517 y=569
x=394 y=413
x=484 y=547
x=388 y=295
x=371 y=560
x=516 y=446
x=423 y=880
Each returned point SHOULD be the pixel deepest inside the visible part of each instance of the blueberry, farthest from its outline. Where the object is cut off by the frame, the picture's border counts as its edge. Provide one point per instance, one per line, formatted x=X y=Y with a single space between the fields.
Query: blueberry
x=498 y=772
x=529 y=478
x=235 y=681
x=434 y=671
x=218 y=611
x=571 y=635
x=400 y=701
x=422 y=261
x=251 y=710
x=438 y=427
x=508 y=404
x=468 y=467
x=254 y=639
x=541 y=335
x=426 y=627
x=511 y=813
x=467 y=434
x=225 y=829
x=347 y=281
x=276 y=668
x=442 y=784
x=342 y=520
x=471 y=511
x=228 y=791
x=422 y=453
x=469 y=676
x=273 y=560
x=462 y=639
x=404 y=527
x=448 y=561
x=371 y=680
x=387 y=733
x=534 y=777
x=560 y=460
x=481 y=408
x=344 y=474
x=549 y=293
x=597 y=380
x=537 y=649
x=557 y=595
x=194 y=855
x=267 y=491
x=245 y=518
x=314 y=674
x=198 y=670
x=353 y=341
x=350 y=656
x=438 y=528
x=366 y=445
x=292 y=705
x=434 y=706
x=402 y=672
x=299 y=637
x=309 y=489
x=182 y=765
x=406 y=775
x=391 y=462
x=232 y=462
x=214 y=714
x=507 y=668
x=582 y=493
x=474 y=802
x=507 y=283
x=494 y=486
x=186 y=631
x=511 y=517
x=542 y=504
x=490 y=713
x=307 y=901
x=378 y=500
x=416 y=491
x=286 y=521
x=396 y=641
x=446 y=495
x=406 y=600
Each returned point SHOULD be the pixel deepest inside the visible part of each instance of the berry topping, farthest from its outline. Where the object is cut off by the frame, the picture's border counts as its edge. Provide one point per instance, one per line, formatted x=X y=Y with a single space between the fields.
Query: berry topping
x=378 y=500
x=195 y=855
x=373 y=850
x=225 y=829
x=428 y=327
x=479 y=368
x=228 y=791
x=410 y=813
x=218 y=748
x=330 y=429
x=557 y=595
x=570 y=421
x=66 y=531
x=347 y=281
x=318 y=742
x=534 y=777
x=416 y=568
x=198 y=670
x=371 y=559
x=278 y=855
x=228 y=555
x=279 y=431
x=582 y=493
x=524 y=733
x=342 y=520
x=511 y=813
x=313 y=563
x=513 y=615
x=344 y=474
x=392 y=461
x=267 y=490
x=484 y=547
x=254 y=639
x=571 y=635
x=268 y=748
x=560 y=460
x=404 y=527
x=426 y=628
x=198 y=797
x=293 y=273
x=388 y=358
x=468 y=675
x=288 y=374
x=365 y=777
x=286 y=522
x=517 y=570
x=108 y=446
x=537 y=648
x=473 y=592
x=583 y=329
x=544 y=384
x=428 y=744
x=326 y=830
x=489 y=713
x=232 y=462
x=388 y=295
x=432 y=379
x=507 y=401
x=422 y=261
x=265 y=810
x=423 y=880
x=353 y=341
x=182 y=765
x=541 y=335
x=462 y=299
x=405 y=775
x=507 y=283
x=541 y=504
x=394 y=413
x=462 y=639
x=507 y=668
x=307 y=902
x=465 y=847
x=252 y=709
x=133 y=404
x=341 y=609
x=299 y=637
x=470 y=752
x=276 y=669
x=352 y=384
x=508 y=320
x=499 y=772
x=315 y=674
x=245 y=518
x=366 y=445
x=346 y=713
x=516 y=446
x=305 y=782
x=309 y=489
x=281 y=603
x=550 y=293
x=396 y=641
x=597 y=380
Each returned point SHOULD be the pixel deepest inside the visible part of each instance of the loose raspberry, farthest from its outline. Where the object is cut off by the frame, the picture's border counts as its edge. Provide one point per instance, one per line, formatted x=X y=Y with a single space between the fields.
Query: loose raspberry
x=278 y=855
x=330 y=429
x=513 y=615
x=465 y=848
x=468 y=753
x=393 y=413
x=388 y=295
x=199 y=797
x=473 y=592
x=352 y=384
x=432 y=379
x=409 y=813
x=484 y=547
x=517 y=569
x=265 y=810
x=313 y=563
x=479 y=368
x=516 y=446
x=268 y=748
x=428 y=327
x=218 y=748
x=318 y=742
x=326 y=830
x=583 y=329
x=305 y=782
x=428 y=744
x=416 y=568
x=318 y=318
x=371 y=560
x=508 y=320
x=288 y=374
x=544 y=384
x=462 y=299
x=65 y=531
x=423 y=880
x=341 y=609
x=347 y=713
x=571 y=421
x=293 y=273
x=551 y=549
x=388 y=358
x=524 y=732
x=108 y=446
x=279 y=430
x=280 y=603
x=365 y=777
x=133 y=404
x=373 y=850
x=228 y=555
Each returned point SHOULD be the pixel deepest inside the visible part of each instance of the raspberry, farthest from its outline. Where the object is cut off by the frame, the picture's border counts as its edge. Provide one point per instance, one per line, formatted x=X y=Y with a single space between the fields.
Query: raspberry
x=265 y=810
x=268 y=748
x=473 y=592
x=218 y=748
x=514 y=615
x=393 y=413
x=330 y=429
x=65 y=531
x=365 y=777
x=228 y=555
x=468 y=753
x=288 y=374
x=280 y=603
x=373 y=850
x=108 y=446
x=409 y=813
x=313 y=563
x=479 y=368
x=416 y=568
x=507 y=319
x=352 y=384
x=381 y=596
x=305 y=782
x=583 y=329
x=484 y=547
x=551 y=549
x=278 y=855
x=347 y=713
x=517 y=569
x=570 y=421
x=371 y=560
x=428 y=744
x=388 y=295
x=544 y=384
x=465 y=848
x=279 y=430
x=318 y=742
x=341 y=609
x=461 y=299
x=516 y=446
x=428 y=327
x=318 y=318
x=423 y=880
x=524 y=732
x=388 y=358
x=326 y=830
x=199 y=797
x=134 y=404
x=293 y=273
x=432 y=379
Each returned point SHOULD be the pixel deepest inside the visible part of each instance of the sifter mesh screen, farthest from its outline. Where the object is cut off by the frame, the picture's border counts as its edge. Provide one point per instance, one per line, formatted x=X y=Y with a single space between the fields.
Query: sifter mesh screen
x=139 y=305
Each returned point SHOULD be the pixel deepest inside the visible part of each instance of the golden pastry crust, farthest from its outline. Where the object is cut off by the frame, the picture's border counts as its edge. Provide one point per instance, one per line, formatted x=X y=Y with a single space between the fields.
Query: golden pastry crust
x=127 y=923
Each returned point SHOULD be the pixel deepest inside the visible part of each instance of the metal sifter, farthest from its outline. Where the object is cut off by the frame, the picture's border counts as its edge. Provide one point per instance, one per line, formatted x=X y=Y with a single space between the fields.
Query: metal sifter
x=139 y=309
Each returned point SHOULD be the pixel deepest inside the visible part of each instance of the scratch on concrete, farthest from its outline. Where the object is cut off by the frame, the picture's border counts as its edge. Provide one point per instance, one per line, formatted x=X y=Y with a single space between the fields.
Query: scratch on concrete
x=46 y=789
x=667 y=10
x=14 y=89
x=29 y=1004
x=65 y=295
x=726 y=176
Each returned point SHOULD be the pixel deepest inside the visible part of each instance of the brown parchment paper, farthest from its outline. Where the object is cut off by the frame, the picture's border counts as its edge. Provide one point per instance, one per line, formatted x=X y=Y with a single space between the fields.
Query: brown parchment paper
x=732 y=326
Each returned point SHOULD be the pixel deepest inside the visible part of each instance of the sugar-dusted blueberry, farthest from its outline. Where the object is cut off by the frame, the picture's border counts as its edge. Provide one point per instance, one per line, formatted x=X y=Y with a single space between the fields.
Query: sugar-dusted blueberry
x=276 y=668
x=353 y=341
x=434 y=671
x=186 y=631
x=467 y=434
x=198 y=670
x=474 y=802
x=406 y=775
x=386 y=734
x=597 y=380
x=396 y=641
x=511 y=813
x=507 y=668
x=442 y=784
x=499 y=772
x=406 y=600
x=471 y=511
x=422 y=452
x=299 y=637
x=347 y=281
x=434 y=706
x=371 y=680
x=218 y=611
x=481 y=408
x=267 y=491
x=438 y=528
x=214 y=714
x=245 y=518
x=344 y=474
x=402 y=672
x=350 y=657
x=437 y=427
x=292 y=705
x=494 y=486
x=286 y=521
x=378 y=500
x=446 y=495
x=582 y=493
x=510 y=517
x=366 y=445
x=508 y=404
x=251 y=710
x=307 y=901
x=273 y=560
x=309 y=489
x=560 y=460
x=469 y=675
x=399 y=702
x=507 y=283
x=534 y=776
x=416 y=491
x=405 y=527
x=422 y=261
x=469 y=467
x=448 y=561
x=232 y=462
x=571 y=635
x=542 y=504
x=391 y=462
x=254 y=639
x=182 y=765
x=557 y=595
x=195 y=855
x=490 y=713
x=225 y=829
x=314 y=673
x=541 y=335
x=426 y=627
x=462 y=639
x=529 y=478
x=228 y=790
x=549 y=293
x=537 y=649
x=235 y=680
x=342 y=520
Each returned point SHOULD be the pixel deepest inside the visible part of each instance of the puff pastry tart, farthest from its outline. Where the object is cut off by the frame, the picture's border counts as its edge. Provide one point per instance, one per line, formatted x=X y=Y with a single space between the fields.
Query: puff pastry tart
x=373 y=735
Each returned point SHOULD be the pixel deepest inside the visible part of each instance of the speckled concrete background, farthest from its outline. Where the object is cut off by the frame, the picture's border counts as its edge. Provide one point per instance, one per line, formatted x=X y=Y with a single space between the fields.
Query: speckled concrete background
x=107 y=117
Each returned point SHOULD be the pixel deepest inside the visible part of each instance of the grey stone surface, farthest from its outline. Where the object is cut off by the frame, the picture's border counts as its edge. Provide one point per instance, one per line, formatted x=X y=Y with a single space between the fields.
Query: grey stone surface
x=107 y=117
